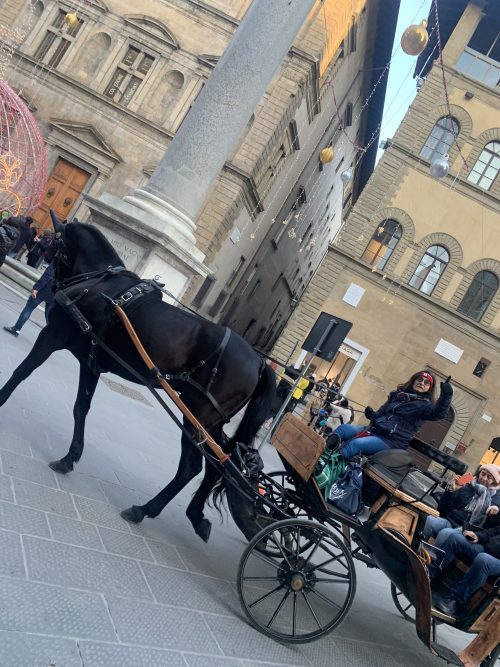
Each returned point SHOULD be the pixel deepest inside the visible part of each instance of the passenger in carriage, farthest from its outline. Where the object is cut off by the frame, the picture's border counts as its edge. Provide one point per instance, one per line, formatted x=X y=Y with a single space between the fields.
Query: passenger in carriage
x=395 y=423
x=480 y=497
x=480 y=548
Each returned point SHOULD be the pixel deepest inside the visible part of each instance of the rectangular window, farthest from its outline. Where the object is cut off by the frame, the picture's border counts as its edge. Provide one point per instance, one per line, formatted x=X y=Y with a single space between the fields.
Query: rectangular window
x=203 y=291
x=57 y=40
x=235 y=271
x=129 y=75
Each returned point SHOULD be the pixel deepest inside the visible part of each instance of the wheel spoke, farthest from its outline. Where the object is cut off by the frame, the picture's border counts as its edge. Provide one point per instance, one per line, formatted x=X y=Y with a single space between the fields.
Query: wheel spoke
x=266 y=595
x=330 y=580
x=325 y=598
x=258 y=578
x=320 y=627
x=294 y=614
x=326 y=562
x=265 y=558
x=277 y=611
x=313 y=551
x=297 y=549
x=281 y=550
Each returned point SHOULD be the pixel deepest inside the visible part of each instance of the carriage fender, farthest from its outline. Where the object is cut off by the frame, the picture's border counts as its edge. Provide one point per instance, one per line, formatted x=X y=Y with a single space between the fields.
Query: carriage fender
x=404 y=568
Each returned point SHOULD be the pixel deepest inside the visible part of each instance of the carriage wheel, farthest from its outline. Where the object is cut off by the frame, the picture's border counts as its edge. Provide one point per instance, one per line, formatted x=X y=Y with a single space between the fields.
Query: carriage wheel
x=403 y=605
x=304 y=588
x=491 y=660
x=280 y=490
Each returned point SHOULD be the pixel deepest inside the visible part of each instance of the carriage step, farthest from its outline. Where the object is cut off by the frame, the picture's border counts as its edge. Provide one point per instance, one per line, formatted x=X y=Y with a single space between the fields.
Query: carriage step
x=447 y=654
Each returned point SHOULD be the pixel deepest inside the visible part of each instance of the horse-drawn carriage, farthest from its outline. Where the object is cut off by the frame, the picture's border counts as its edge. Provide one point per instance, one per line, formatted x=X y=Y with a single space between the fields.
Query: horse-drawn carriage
x=296 y=577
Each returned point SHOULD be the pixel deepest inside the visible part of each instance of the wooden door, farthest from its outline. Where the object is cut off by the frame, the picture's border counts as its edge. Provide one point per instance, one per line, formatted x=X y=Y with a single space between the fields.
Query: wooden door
x=66 y=183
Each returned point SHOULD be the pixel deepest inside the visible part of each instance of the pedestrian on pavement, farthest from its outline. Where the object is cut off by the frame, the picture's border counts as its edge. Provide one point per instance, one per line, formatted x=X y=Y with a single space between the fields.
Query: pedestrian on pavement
x=40 y=249
x=23 y=224
x=42 y=291
x=9 y=233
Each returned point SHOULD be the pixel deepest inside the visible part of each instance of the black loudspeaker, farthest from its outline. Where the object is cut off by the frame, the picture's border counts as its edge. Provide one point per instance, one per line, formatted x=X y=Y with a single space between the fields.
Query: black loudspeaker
x=331 y=344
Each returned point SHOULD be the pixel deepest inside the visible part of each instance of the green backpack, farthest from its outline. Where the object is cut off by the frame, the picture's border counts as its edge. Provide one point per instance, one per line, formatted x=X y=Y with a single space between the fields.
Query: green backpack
x=329 y=467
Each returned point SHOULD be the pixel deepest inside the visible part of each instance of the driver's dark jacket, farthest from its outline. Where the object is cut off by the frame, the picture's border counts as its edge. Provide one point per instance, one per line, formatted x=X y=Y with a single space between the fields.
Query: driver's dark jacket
x=397 y=421
x=489 y=536
x=452 y=504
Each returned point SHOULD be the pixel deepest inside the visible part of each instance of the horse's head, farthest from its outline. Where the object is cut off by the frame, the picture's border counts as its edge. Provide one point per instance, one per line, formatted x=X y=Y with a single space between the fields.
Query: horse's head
x=78 y=249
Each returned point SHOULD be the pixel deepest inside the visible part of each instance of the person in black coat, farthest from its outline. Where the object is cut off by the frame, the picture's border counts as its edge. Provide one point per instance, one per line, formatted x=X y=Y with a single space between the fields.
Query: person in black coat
x=456 y=504
x=9 y=234
x=43 y=290
x=395 y=423
x=40 y=249
x=23 y=224
x=480 y=548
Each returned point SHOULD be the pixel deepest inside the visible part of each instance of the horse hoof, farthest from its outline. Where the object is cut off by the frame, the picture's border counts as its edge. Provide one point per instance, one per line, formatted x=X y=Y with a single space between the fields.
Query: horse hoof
x=133 y=514
x=61 y=466
x=203 y=529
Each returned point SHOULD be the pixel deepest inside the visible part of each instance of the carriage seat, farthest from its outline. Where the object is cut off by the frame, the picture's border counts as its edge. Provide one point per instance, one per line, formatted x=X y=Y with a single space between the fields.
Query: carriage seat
x=438 y=456
x=396 y=468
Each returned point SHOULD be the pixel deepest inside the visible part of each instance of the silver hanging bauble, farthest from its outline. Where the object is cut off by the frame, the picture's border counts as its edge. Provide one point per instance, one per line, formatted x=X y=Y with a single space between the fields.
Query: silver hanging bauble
x=439 y=167
x=346 y=175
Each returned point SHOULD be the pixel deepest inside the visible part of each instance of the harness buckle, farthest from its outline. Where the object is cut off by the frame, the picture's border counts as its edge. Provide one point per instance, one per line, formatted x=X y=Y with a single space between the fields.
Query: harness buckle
x=127 y=296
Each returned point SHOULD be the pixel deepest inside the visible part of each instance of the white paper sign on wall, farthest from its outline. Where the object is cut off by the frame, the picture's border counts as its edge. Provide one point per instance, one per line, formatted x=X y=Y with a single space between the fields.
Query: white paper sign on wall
x=353 y=294
x=448 y=351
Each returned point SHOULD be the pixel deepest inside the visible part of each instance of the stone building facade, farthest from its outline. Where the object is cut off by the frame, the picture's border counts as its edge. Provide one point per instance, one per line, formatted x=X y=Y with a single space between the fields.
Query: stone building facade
x=416 y=268
x=111 y=89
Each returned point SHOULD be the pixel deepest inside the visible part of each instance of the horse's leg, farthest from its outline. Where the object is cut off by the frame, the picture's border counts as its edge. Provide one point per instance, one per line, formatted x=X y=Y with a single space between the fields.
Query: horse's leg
x=190 y=465
x=194 y=510
x=44 y=346
x=86 y=388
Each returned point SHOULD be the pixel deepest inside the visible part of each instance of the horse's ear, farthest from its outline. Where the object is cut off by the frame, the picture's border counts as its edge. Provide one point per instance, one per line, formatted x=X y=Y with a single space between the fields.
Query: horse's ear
x=58 y=227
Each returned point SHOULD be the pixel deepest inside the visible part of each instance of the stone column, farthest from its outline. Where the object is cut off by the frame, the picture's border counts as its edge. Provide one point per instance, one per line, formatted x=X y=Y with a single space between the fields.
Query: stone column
x=170 y=203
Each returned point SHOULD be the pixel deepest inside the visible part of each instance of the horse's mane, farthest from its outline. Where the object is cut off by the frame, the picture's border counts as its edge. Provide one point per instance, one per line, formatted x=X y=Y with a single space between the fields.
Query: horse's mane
x=89 y=245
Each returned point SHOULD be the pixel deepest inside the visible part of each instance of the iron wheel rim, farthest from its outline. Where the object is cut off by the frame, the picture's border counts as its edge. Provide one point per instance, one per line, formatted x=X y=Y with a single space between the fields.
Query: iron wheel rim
x=298 y=595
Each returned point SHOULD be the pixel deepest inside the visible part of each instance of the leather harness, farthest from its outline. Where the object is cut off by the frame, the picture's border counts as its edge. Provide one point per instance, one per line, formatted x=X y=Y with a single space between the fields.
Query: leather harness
x=126 y=300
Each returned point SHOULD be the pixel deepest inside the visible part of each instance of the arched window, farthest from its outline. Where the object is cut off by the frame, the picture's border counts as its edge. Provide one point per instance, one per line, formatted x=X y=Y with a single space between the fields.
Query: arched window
x=430 y=269
x=479 y=295
x=382 y=243
x=487 y=166
x=441 y=138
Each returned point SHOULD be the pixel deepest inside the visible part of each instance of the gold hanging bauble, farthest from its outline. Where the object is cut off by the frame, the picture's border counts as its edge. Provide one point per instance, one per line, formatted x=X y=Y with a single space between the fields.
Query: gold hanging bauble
x=415 y=38
x=71 y=19
x=326 y=155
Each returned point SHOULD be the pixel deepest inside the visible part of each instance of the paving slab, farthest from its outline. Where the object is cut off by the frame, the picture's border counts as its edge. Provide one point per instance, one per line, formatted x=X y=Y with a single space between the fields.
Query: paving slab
x=111 y=655
x=43 y=498
x=37 y=651
x=30 y=607
x=76 y=567
x=161 y=626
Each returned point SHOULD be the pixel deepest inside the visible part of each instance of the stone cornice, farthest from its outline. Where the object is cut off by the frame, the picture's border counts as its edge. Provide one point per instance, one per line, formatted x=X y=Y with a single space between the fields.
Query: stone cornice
x=249 y=187
x=214 y=12
x=429 y=306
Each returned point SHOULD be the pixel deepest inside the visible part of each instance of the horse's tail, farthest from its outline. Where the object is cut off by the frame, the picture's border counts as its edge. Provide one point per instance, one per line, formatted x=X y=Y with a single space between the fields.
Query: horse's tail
x=258 y=409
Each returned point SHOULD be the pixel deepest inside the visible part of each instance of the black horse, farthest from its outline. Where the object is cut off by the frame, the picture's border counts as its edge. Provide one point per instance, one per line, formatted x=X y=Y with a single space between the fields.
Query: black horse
x=87 y=266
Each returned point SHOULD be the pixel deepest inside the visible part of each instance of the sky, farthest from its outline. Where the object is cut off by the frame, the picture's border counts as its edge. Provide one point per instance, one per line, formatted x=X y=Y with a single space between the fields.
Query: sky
x=401 y=87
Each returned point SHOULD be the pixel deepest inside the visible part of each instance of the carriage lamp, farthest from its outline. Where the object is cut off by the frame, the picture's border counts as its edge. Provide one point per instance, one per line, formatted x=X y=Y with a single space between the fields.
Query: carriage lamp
x=439 y=167
x=415 y=38
x=326 y=155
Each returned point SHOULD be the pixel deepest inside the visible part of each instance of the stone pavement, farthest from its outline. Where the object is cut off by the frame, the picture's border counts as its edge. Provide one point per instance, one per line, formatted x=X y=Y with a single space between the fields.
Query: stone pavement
x=83 y=588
